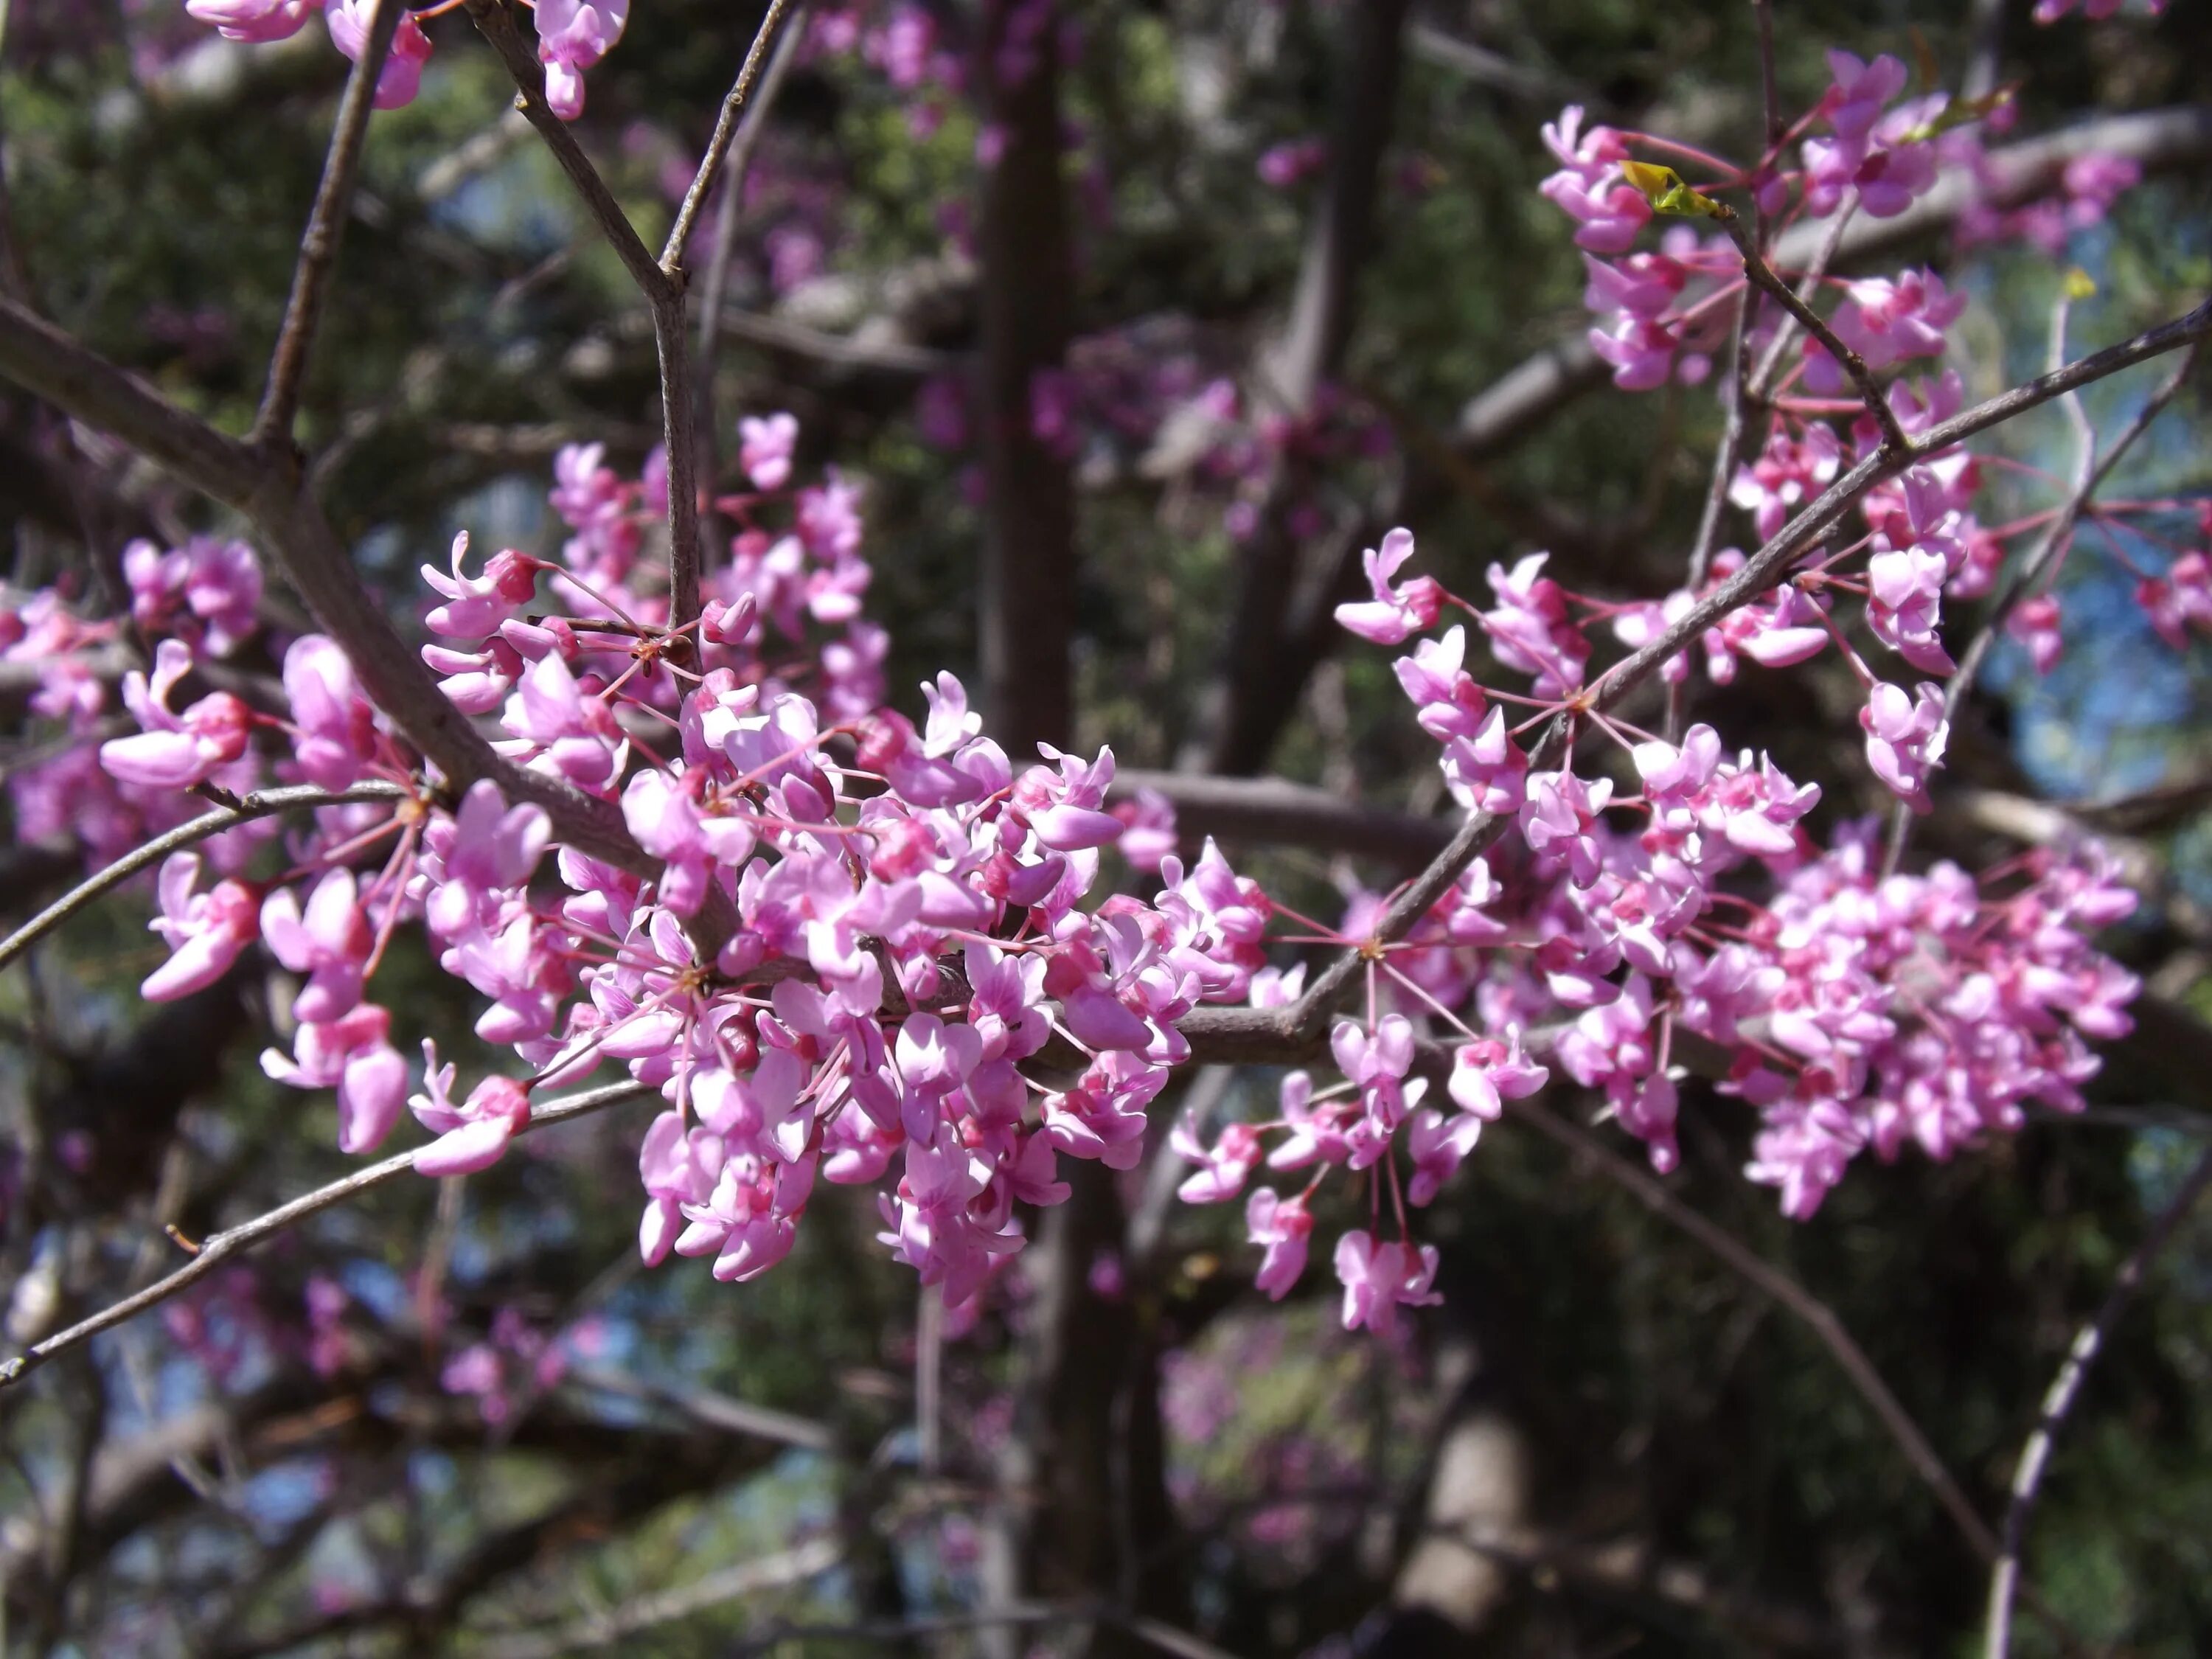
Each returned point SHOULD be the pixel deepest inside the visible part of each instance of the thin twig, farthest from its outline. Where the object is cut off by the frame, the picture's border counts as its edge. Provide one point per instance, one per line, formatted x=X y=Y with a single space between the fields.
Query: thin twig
x=1229 y=1035
x=1761 y=274
x=597 y=1631
x=2035 y=574
x=496 y=25
x=1808 y=1310
x=1737 y=394
x=716 y=286
x=2065 y=1389
x=260 y=804
x=318 y=246
x=1785 y=335
x=672 y=349
x=1770 y=95
x=727 y=126
x=218 y=1248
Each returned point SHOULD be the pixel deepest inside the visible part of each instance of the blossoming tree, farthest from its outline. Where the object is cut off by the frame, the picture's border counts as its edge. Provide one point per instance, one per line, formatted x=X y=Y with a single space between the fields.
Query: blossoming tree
x=939 y=977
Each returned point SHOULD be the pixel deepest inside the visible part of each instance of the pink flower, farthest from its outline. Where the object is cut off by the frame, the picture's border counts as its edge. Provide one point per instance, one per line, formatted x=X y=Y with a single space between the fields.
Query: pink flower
x=1438 y=1144
x=353 y=1054
x=1588 y=187
x=1905 y=737
x=401 y=78
x=476 y=607
x=1148 y=828
x=1377 y=1063
x=207 y=592
x=330 y=942
x=1557 y=820
x=2181 y=598
x=336 y=726
x=473 y=1134
x=767 y=443
x=1885 y=322
x=2034 y=623
x=571 y=38
x=1283 y=165
x=1379 y=1278
x=1487 y=1073
x=1530 y=630
x=175 y=752
x=1281 y=1227
x=1640 y=349
x=1393 y=613
x=205 y=931
x=258 y=22
x=1223 y=1169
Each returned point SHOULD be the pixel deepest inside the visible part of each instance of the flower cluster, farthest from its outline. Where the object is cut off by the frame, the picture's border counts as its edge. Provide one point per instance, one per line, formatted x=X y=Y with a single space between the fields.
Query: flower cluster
x=858 y=948
x=571 y=38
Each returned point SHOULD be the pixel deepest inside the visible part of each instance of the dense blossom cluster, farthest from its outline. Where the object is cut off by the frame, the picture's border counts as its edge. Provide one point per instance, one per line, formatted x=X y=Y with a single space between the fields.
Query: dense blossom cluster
x=880 y=953
x=571 y=38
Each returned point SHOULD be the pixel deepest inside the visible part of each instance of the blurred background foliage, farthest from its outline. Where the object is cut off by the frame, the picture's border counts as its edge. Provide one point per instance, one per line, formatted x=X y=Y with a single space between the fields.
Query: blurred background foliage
x=1682 y=1471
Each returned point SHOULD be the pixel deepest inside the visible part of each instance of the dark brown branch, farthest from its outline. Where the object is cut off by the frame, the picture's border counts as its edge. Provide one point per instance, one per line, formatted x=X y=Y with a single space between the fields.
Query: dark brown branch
x=1260 y=674
x=270 y=489
x=260 y=804
x=726 y=128
x=496 y=24
x=1762 y=277
x=318 y=246
x=716 y=286
x=2065 y=1389
x=43 y=359
x=218 y=1248
x=1808 y=1310
x=1027 y=298
x=1275 y=811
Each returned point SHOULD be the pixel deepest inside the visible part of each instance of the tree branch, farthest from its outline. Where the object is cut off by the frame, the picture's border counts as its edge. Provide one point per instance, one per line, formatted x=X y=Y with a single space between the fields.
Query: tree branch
x=318 y=246
x=218 y=1248
x=2065 y=1389
x=1229 y=1035
x=794 y=1566
x=2040 y=566
x=260 y=804
x=1762 y=277
x=726 y=129
x=1278 y=812
x=1524 y=396
x=1808 y=1310
x=496 y=24
x=713 y=290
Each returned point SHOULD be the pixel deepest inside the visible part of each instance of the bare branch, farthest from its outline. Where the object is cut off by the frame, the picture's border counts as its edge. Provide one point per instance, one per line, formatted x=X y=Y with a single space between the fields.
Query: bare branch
x=270 y=488
x=2033 y=575
x=218 y=1248
x=716 y=1411
x=496 y=24
x=712 y=291
x=1763 y=277
x=43 y=359
x=319 y=247
x=785 y=1567
x=1277 y=810
x=2065 y=1389
x=260 y=804
x=726 y=129
x=1808 y=1310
